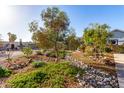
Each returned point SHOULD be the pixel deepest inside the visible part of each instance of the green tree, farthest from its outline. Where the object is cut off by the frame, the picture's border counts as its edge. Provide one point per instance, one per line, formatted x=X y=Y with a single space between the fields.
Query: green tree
x=41 y=38
x=72 y=42
x=56 y=23
x=96 y=35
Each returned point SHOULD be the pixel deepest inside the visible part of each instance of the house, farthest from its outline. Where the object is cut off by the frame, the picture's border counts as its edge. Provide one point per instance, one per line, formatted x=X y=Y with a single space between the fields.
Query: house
x=117 y=37
x=16 y=45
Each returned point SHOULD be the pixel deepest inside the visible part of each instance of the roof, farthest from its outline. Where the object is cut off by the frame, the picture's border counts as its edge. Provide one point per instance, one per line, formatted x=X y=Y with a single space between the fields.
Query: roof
x=117 y=30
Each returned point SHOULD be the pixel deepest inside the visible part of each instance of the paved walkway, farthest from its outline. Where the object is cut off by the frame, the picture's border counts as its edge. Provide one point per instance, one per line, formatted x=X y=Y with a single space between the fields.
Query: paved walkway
x=14 y=54
x=119 y=59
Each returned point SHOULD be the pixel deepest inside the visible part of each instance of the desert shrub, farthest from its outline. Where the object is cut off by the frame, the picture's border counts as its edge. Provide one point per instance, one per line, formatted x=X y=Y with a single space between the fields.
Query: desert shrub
x=38 y=64
x=4 y=72
x=9 y=54
x=54 y=75
x=121 y=49
x=118 y=48
x=82 y=48
x=89 y=51
x=108 y=50
x=39 y=52
x=27 y=51
x=109 y=62
x=50 y=53
x=61 y=53
x=44 y=50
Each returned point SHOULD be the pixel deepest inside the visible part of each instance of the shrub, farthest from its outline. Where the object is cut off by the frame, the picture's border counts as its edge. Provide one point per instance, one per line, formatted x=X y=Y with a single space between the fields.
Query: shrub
x=89 y=51
x=50 y=53
x=121 y=49
x=108 y=50
x=108 y=62
x=118 y=48
x=4 y=72
x=44 y=50
x=51 y=75
x=39 y=52
x=38 y=64
x=27 y=51
x=61 y=53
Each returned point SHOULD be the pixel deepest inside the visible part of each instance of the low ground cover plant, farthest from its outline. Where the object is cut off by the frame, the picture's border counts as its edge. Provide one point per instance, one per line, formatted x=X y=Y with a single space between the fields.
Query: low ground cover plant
x=50 y=75
x=4 y=72
x=37 y=64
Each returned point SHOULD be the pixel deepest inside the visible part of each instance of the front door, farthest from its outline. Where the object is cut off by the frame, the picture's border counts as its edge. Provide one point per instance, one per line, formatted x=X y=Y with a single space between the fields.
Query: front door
x=12 y=46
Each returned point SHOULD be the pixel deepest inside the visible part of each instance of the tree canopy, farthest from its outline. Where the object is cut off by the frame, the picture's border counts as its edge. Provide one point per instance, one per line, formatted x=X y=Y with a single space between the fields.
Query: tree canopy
x=12 y=37
x=96 y=35
x=72 y=41
x=54 y=30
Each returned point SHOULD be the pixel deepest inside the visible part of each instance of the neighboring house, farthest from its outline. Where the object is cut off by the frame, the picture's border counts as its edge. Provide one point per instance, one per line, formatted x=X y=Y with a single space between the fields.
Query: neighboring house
x=7 y=45
x=118 y=37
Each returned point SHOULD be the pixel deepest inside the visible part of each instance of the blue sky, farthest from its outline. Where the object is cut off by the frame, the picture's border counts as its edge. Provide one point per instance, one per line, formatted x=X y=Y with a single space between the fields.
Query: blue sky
x=80 y=17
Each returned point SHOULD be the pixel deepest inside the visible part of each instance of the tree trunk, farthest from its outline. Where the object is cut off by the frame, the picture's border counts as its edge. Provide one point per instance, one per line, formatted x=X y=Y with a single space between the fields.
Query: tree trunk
x=57 y=54
x=56 y=48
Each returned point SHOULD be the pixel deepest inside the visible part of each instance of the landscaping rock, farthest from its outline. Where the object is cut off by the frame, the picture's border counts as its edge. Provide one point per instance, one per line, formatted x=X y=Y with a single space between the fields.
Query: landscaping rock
x=94 y=77
x=107 y=86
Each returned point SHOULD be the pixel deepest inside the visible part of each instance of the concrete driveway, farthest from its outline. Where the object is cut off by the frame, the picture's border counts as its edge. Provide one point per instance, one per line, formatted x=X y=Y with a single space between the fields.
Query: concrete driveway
x=119 y=60
x=14 y=54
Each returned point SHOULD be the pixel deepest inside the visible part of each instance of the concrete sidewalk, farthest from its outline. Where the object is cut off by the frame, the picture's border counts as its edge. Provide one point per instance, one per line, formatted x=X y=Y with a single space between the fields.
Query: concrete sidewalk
x=119 y=60
x=14 y=54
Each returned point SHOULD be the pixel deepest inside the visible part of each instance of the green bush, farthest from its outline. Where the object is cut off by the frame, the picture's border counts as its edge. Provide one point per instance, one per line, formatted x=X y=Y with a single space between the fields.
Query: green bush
x=121 y=49
x=27 y=80
x=44 y=50
x=61 y=53
x=50 y=53
x=27 y=51
x=118 y=48
x=108 y=50
x=39 y=52
x=4 y=72
x=52 y=75
x=38 y=64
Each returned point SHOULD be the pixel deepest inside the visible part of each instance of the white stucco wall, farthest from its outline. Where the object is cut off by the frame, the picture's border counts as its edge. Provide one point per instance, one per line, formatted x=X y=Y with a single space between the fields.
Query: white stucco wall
x=119 y=35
